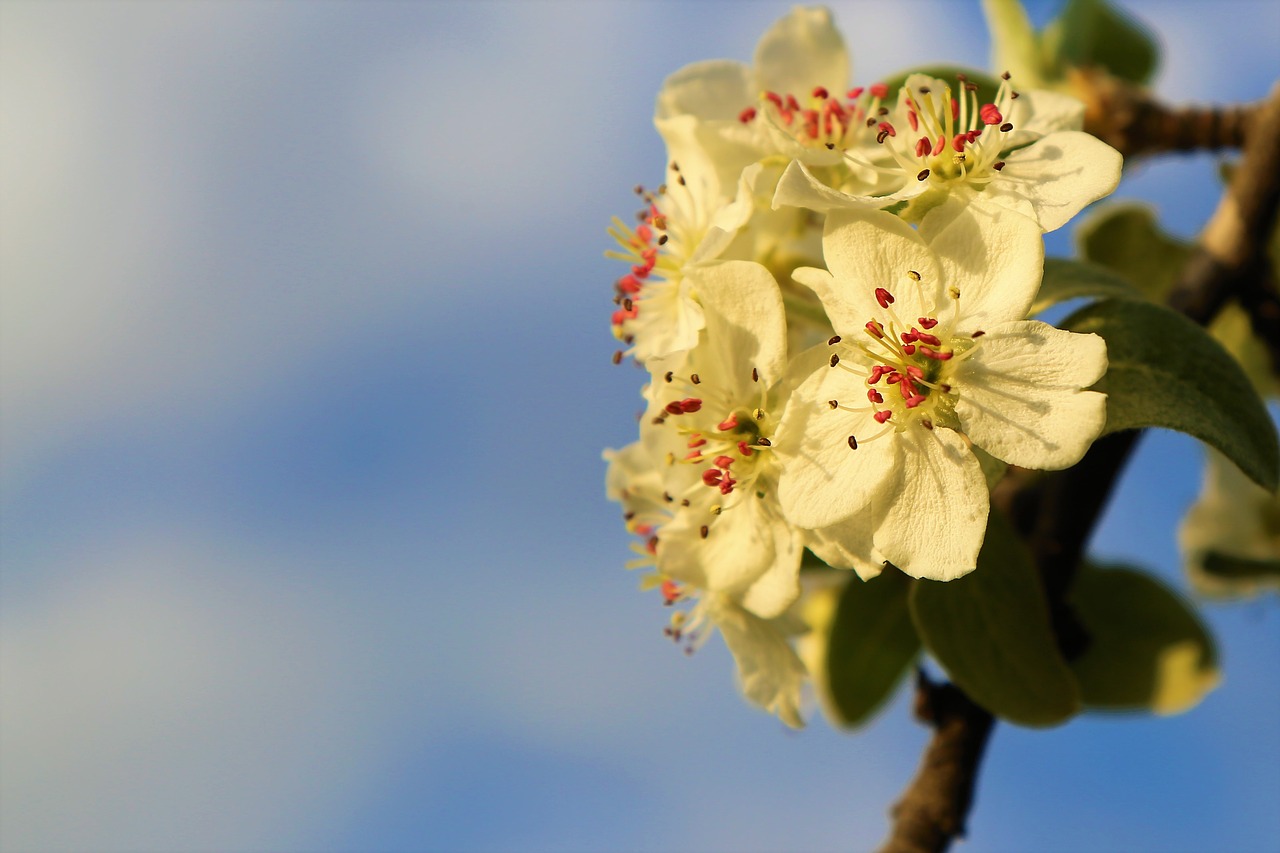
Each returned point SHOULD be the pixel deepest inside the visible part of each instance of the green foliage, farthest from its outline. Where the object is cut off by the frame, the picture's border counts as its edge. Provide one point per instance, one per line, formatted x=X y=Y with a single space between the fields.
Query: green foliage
x=1149 y=650
x=1096 y=33
x=990 y=630
x=1064 y=279
x=1231 y=567
x=1165 y=371
x=870 y=644
x=1015 y=44
x=1126 y=239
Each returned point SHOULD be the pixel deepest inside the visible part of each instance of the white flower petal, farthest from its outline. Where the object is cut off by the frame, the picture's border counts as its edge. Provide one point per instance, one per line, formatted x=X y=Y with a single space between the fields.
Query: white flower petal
x=799 y=188
x=937 y=520
x=667 y=320
x=746 y=325
x=869 y=249
x=823 y=480
x=994 y=257
x=717 y=89
x=1058 y=175
x=1022 y=397
x=1039 y=112
x=800 y=51
x=769 y=670
x=849 y=543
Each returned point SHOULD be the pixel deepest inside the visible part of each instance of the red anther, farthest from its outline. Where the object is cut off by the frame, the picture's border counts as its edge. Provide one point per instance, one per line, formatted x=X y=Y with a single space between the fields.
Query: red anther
x=912 y=402
x=723 y=461
x=955 y=110
x=747 y=115
x=974 y=135
x=697 y=440
x=990 y=114
x=652 y=545
x=879 y=90
x=792 y=104
x=923 y=145
x=915 y=372
x=642 y=271
x=885 y=127
x=874 y=396
x=670 y=591
x=926 y=338
x=928 y=322
x=786 y=116
x=893 y=377
x=878 y=371
x=744 y=448
x=909 y=337
x=712 y=476
x=875 y=328
x=882 y=416
x=620 y=317
x=821 y=92
x=913 y=120
x=939 y=145
x=774 y=99
x=884 y=297
x=629 y=284
x=855 y=93
x=650 y=256
x=959 y=140
x=644 y=232
x=728 y=423
x=693 y=454
x=907 y=388
x=690 y=404
x=945 y=355
x=909 y=349
x=674 y=408
x=726 y=487
x=811 y=123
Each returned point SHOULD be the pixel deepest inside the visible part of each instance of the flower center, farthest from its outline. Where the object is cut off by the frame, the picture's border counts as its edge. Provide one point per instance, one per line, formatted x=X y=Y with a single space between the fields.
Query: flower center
x=824 y=120
x=911 y=364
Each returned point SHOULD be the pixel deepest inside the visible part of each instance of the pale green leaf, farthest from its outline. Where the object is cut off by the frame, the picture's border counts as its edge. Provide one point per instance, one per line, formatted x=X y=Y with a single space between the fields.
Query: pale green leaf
x=1165 y=371
x=1126 y=239
x=1096 y=33
x=1064 y=279
x=1148 y=649
x=861 y=643
x=990 y=630
x=1015 y=44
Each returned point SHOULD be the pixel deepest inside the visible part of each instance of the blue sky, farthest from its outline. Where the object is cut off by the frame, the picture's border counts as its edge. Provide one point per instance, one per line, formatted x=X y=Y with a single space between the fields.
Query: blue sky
x=304 y=355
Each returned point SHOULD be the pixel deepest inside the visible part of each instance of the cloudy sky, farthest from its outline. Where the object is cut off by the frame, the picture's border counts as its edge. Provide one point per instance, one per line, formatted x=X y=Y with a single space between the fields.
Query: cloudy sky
x=305 y=368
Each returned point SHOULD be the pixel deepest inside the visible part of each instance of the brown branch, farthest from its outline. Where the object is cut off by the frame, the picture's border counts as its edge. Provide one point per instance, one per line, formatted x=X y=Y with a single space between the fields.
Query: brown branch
x=1058 y=512
x=933 y=809
x=1130 y=119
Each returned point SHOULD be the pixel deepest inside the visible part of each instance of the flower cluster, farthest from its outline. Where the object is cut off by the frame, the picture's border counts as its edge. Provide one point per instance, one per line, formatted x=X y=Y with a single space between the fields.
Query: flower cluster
x=830 y=294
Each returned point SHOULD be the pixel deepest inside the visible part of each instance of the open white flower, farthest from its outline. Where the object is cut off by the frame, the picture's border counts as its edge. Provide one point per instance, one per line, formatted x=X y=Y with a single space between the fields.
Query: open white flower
x=1022 y=153
x=932 y=354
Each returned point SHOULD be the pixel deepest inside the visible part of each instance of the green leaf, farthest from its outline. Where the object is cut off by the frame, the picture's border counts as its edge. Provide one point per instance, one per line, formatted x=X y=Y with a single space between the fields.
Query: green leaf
x=1064 y=279
x=1165 y=371
x=987 y=85
x=990 y=630
x=1125 y=239
x=1149 y=650
x=861 y=645
x=1094 y=32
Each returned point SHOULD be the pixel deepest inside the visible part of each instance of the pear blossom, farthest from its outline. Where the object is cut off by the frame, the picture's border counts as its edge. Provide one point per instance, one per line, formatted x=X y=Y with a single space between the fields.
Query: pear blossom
x=1021 y=152
x=931 y=356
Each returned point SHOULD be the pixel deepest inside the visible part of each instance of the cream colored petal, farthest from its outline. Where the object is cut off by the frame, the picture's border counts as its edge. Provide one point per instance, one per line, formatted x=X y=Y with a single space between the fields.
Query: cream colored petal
x=769 y=670
x=667 y=320
x=823 y=480
x=849 y=544
x=1058 y=176
x=717 y=89
x=869 y=249
x=800 y=51
x=994 y=257
x=799 y=188
x=1022 y=396
x=746 y=326
x=935 y=522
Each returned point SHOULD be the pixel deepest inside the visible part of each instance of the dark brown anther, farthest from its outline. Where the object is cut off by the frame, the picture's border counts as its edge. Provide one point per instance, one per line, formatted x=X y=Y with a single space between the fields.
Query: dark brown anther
x=1005 y=75
x=627 y=305
x=1014 y=95
x=1006 y=127
x=662 y=241
x=684 y=502
x=695 y=378
x=638 y=190
x=833 y=340
x=666 y=496
x=853 y=443
x=913 y=275
x=704 y=531
x=681 y=181
x=755 y=375
x=923 y=176
x=998 y=165
x=835 y=359
x=871 y=122
x=835 y=404
x=831 y=146
x=617 y=356
x=926 y=423
x=764 y=442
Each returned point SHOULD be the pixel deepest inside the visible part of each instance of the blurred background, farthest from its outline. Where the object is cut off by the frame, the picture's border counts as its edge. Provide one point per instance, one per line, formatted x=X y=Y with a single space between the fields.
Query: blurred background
x=306 y=375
